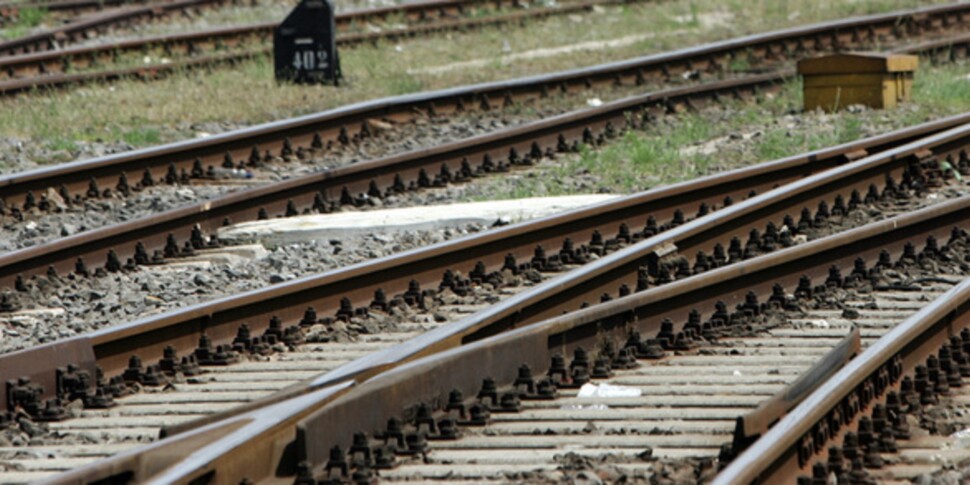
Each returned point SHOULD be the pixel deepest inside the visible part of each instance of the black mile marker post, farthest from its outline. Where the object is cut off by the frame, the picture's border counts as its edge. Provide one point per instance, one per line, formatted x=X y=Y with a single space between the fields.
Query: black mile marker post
x=305 y=45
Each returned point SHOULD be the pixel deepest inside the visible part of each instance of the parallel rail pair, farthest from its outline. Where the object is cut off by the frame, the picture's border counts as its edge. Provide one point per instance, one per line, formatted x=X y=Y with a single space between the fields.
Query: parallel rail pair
x=84 y=28
x=299 y=432
x=346 y=123
x=220 y=319
x=543 y=310
x=455 y=161
x=10 y=11
x=71 y=66
x=153 y=231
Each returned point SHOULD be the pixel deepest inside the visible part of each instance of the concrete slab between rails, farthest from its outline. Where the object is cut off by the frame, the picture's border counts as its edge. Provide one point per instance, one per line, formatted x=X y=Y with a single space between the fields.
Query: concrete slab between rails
x=354 y=223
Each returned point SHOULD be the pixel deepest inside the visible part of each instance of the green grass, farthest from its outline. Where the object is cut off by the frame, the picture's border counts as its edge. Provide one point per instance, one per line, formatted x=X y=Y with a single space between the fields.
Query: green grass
x=62 y=144
x=404 y=84
x=248 y=94
x=141 y=136
x=739 y=64
x=937 y=91
x=629 y=161
x=674 y=148
x=635 y=160
x=27 y=18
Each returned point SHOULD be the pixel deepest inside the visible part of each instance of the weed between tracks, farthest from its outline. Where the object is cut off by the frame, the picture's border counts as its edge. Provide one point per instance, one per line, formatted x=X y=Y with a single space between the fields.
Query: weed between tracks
x=723 y=138
x=188 y=104
x=27 y=19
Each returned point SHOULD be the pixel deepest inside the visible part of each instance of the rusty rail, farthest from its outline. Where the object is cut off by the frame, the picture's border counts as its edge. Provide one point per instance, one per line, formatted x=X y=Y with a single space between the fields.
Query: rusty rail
x=802 y=438
x=98 y=23
x=349 y=122
x=111 y=348
x=50 y=66
x=754 y=424
x=940 y=50
x=700 y=236
x=55 y=39
x=341 y=411
x=328 y=189
x=53 y=62
x=396 y=392
x=11 y=10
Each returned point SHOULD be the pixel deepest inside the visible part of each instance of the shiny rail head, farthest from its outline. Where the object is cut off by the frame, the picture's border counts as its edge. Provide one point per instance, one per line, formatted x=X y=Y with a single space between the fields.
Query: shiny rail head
x=777 y=456
x=396 y=392
x=671 y=63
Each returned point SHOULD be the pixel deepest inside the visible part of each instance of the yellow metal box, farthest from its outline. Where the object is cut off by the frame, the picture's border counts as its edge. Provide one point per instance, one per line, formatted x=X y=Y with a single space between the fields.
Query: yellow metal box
x=875 y=79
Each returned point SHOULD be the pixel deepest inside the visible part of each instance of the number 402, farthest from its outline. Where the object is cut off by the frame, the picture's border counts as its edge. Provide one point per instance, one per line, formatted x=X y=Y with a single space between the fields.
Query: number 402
x=310 y=60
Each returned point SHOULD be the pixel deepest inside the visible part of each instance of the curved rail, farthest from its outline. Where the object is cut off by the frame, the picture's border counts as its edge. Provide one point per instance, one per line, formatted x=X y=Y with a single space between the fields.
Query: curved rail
x=327 y=189
x=341 y=412
x=798 y=441
x=349 y=122
x=112 y=347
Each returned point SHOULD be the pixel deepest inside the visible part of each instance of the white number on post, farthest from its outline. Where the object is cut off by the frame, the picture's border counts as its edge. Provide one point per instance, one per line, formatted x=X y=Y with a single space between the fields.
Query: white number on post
x=310 y=60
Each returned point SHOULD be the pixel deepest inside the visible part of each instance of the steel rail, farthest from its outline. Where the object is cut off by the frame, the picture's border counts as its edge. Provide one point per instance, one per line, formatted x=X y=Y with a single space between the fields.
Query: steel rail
x=111 y=348
x=11 y=10
x=394 y=273
x=50 y=65
x=53 y=62
x=100 y=22
x=271 y=427
x=267 y=429
x=54 y=39
x=397 y=393
x=344 y=409
x=588 y=283
x=940 y=50
x=752 y=425
x=796 y=442
x=50 y=42
x=144 y=73
x=511 y=147
x=348 y=122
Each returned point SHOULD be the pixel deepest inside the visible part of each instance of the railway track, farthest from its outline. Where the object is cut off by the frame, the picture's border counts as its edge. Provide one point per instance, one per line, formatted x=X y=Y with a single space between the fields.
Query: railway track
x=99 y=23
x=72 y=66
x=119 y=18
x=735 y=304
x=10 y=11
x=327 y=190
x=346 y=124
x=167 y=235
x=112 y=348
x=691 y=398
x=889 y=416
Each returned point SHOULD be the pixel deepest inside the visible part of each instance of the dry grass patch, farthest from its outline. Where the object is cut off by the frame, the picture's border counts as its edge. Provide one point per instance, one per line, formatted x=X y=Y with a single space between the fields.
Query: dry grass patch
x=186 y=104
